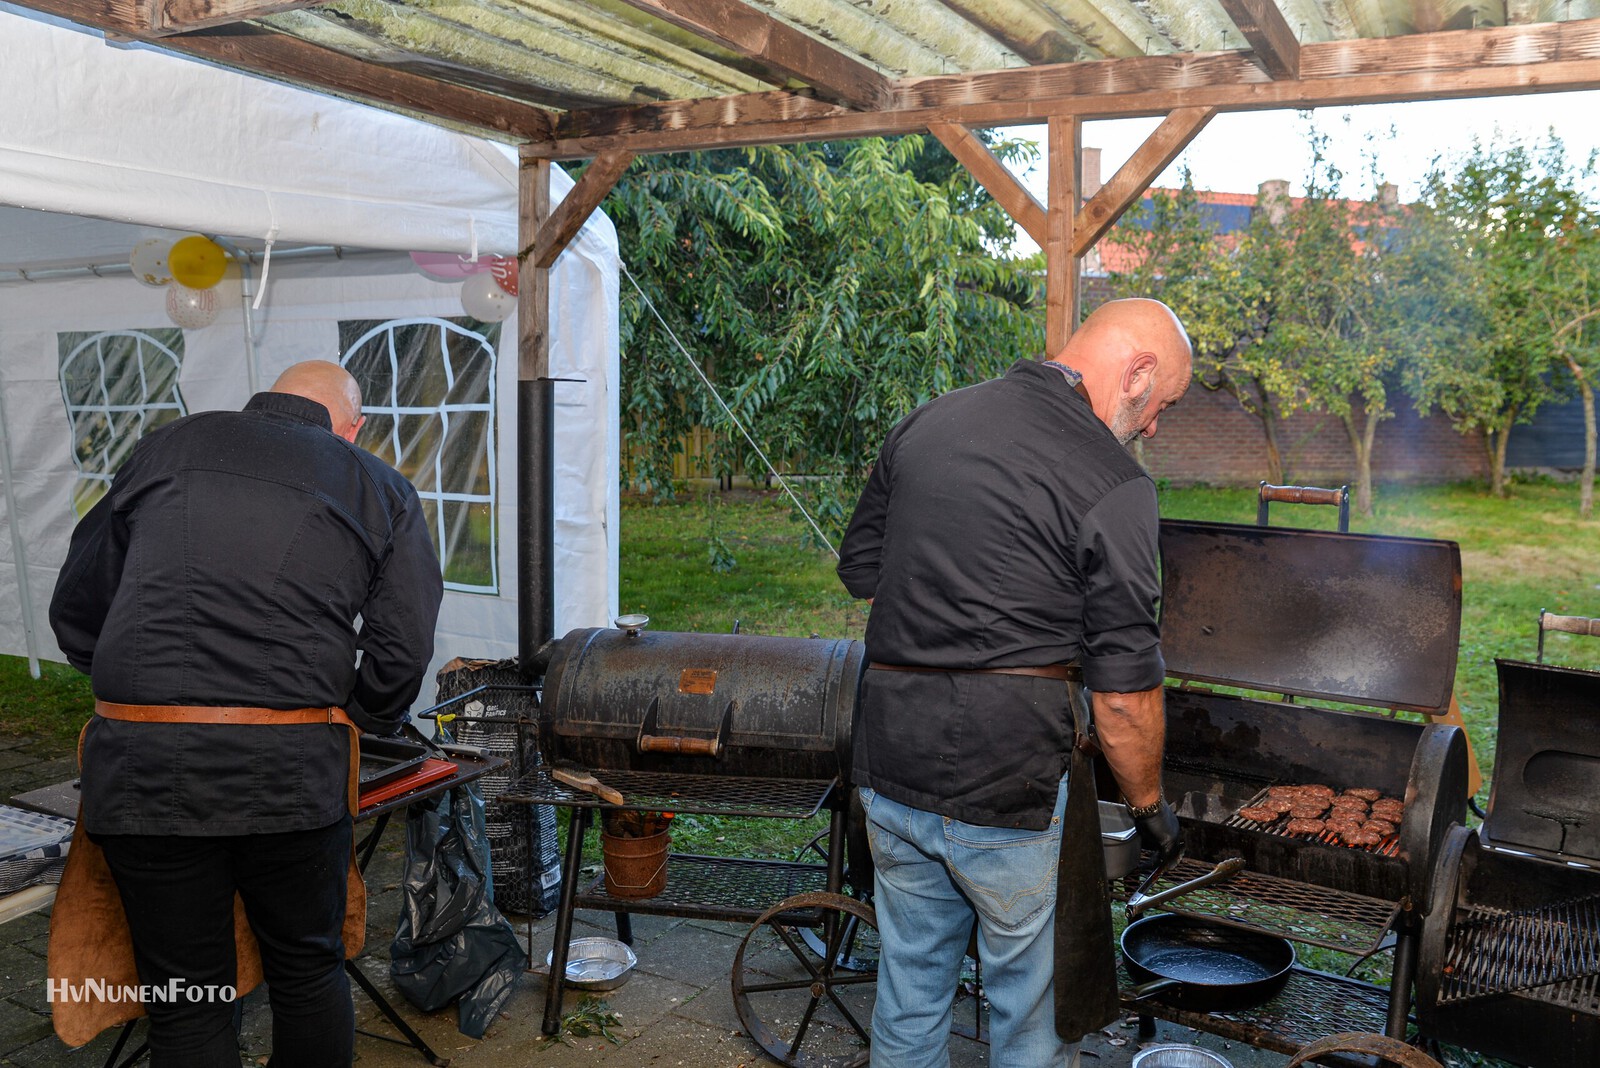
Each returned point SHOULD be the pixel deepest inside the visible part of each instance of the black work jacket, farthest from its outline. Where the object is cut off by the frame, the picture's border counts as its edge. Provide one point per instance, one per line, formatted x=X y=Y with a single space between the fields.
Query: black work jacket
x=1002 y=526
x=228 y=565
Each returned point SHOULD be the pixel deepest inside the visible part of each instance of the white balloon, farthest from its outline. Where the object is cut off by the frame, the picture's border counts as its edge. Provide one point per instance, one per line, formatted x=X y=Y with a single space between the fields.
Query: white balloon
x=192 y=309
x=149 y=261
x=484 y=299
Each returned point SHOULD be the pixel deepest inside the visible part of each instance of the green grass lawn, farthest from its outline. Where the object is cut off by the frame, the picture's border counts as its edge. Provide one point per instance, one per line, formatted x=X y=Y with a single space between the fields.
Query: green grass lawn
x=1518 y=555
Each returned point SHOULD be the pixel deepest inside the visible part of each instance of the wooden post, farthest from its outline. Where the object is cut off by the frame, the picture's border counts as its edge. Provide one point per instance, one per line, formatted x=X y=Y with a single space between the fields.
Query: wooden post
x=1061 y=265
x=533 y=282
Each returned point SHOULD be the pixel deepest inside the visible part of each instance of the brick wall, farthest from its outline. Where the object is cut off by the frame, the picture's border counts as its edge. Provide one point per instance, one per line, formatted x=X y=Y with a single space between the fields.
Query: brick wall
x=1210 y=438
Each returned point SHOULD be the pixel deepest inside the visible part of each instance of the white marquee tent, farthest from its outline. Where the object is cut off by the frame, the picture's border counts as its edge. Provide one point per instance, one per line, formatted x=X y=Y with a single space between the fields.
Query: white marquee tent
x=107 y=145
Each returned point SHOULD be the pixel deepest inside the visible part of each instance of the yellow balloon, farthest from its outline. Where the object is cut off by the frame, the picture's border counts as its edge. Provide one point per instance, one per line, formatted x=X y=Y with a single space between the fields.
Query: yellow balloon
x=197 y=262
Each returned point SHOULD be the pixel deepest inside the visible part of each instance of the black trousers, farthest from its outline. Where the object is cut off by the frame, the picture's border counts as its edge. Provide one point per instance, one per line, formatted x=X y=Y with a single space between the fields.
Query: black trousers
x=178 y=895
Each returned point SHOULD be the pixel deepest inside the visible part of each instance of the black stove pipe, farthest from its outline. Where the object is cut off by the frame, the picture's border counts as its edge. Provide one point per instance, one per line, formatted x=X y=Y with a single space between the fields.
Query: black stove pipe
x=536 y=521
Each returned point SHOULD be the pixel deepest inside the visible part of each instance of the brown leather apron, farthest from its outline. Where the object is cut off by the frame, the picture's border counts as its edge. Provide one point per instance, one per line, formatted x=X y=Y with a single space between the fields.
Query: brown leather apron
x=89 y=936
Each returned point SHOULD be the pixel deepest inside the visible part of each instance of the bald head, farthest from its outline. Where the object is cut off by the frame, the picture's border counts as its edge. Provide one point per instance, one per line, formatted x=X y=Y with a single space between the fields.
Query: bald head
x=1135 y=359
x=330 y=386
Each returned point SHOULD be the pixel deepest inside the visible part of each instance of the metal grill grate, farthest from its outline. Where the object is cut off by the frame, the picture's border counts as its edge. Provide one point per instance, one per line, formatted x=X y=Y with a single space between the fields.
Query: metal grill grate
x=1552 y=951
x=717 y=795
x=720 y=888
x=1312 y=1005
x=1303 y=912
x=1279 y=828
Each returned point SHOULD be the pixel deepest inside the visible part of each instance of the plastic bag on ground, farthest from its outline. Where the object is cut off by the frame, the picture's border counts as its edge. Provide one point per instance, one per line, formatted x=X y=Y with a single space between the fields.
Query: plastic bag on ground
x=451 y=942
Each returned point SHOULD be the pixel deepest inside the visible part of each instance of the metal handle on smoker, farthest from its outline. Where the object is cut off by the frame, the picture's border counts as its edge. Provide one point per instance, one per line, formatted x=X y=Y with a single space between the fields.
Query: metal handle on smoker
x=1141 y=901
x=656 y=743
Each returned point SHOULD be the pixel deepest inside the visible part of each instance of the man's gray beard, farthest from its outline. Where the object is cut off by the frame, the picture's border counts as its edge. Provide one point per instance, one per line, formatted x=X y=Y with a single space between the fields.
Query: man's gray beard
x=1125 y=424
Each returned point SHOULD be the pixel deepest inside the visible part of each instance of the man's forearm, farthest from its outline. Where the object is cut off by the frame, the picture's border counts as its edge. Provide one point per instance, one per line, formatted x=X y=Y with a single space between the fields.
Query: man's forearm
x=1132 y=730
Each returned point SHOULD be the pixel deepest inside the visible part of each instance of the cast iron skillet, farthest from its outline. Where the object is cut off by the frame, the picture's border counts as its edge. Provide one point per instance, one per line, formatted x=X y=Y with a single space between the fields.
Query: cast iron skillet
x=1207 y=967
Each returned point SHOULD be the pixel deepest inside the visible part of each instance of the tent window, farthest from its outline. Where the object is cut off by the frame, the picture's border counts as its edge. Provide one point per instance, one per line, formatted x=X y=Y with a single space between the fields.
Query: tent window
x=428 y=394
x=118 y=385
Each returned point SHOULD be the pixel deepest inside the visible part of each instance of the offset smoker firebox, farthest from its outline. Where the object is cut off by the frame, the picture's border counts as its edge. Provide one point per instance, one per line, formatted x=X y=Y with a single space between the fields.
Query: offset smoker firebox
x=1354 y=619
x=1510 y=961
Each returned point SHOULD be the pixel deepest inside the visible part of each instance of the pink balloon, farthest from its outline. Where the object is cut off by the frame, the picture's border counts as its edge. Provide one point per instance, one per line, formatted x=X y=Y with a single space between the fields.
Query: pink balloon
x=449 y=267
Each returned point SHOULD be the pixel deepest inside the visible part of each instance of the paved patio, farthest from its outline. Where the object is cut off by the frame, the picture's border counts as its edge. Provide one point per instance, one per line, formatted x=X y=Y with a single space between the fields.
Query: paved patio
x=676 y=1009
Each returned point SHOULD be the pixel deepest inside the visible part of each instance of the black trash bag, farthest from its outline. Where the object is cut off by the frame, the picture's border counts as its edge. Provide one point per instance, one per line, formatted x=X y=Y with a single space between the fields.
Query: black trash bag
x=450 y=940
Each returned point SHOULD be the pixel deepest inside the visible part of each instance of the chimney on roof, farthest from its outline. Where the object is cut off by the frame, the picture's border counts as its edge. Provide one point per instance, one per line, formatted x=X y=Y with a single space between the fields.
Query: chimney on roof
x=1389 y=196
x=1273 y=197
x=1091 y=172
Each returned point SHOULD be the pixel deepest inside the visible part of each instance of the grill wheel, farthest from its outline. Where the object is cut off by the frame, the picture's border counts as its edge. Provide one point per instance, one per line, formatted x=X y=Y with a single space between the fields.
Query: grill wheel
x=806 y=1009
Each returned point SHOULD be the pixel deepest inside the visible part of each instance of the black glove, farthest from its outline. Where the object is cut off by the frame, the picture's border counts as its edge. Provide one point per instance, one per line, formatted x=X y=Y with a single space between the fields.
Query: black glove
x=1160 y=831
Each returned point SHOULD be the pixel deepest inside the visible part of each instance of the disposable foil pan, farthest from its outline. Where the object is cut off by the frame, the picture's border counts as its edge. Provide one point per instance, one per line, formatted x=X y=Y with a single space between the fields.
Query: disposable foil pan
x=596 y=963
x=1118 y=839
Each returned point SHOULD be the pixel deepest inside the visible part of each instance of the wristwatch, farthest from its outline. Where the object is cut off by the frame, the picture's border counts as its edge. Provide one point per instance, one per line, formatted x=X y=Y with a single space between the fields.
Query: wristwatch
x=1148 y=810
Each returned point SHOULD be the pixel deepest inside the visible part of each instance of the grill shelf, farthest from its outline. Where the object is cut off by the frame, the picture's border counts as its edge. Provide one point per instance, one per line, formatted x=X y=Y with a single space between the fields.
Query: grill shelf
x=1555 y=948
x=715 y=795
x=719 y=888
x=1300 y=912
x=1310 y=1006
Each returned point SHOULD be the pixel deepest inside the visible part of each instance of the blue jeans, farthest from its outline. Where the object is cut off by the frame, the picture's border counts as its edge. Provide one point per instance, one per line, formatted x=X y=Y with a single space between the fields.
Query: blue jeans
x=935 y=876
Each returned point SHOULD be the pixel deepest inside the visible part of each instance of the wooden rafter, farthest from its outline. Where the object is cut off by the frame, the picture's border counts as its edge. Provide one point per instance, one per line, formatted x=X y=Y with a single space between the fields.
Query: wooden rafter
x=778 y=47
x=557 y=232
x=183 y=16
x=1134 y=177
x=993 y=176
x=1270 y=37
x=1547 y=57
x=292 y=60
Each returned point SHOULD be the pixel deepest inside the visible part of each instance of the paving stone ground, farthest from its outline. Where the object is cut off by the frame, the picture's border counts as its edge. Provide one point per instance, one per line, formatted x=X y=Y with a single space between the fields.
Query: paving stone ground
x=676 y=1009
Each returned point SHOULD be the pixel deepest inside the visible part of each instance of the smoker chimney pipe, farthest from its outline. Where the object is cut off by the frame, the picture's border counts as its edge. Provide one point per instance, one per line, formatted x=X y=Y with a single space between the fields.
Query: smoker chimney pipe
x=536 y=512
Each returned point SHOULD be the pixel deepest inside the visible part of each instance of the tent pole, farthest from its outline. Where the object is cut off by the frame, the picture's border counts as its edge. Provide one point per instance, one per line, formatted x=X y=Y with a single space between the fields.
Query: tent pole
x=24 y=594
x=252 y=364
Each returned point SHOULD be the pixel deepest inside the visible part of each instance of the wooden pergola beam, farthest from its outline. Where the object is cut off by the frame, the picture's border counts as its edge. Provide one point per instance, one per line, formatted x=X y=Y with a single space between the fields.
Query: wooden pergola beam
x=1548 y=57
x=1064 y=156
x=563 y=224
x=1009 y=193
x=1134 y=177
x=183 y=16
x=1270 y=37
x=776 y=46
x=292 y=60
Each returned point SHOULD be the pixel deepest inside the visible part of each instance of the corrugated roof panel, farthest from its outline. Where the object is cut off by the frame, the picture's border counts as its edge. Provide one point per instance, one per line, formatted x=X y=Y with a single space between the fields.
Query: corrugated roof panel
x=905 y=37
x=1127 y=31
x=1192 y=25
x=1030 y=29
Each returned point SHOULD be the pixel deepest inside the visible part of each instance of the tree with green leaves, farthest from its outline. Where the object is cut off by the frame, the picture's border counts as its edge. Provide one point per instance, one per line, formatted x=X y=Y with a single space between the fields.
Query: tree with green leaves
x=1368 y=297
x=1220 y=288
x=826 y=290
x=1527 y=236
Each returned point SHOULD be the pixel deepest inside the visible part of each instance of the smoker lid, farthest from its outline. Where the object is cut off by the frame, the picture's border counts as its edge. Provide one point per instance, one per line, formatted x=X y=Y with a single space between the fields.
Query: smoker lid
x=1360 y=618
x=1546 y=793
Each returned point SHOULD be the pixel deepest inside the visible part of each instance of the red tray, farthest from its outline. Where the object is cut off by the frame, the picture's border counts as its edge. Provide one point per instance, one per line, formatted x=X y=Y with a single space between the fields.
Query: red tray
x=431 y=770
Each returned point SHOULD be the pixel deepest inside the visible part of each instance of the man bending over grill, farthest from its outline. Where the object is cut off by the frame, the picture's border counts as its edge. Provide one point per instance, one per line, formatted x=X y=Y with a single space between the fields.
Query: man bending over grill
x=1005 y=535
x=212 y=595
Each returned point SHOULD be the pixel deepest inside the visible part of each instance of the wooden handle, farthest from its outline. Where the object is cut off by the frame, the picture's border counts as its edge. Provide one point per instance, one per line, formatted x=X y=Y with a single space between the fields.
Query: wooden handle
x=655 y=743
x=582 y=780
x=1300 y=494
x=1571 y=624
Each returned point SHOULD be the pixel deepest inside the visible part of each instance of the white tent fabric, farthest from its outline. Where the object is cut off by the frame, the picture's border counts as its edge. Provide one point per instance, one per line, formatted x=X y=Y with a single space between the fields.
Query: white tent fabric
x=122 y=144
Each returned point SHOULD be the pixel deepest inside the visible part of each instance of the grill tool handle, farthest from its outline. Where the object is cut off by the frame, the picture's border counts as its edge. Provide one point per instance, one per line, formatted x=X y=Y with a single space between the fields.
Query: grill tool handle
x=582 y=780
x=655 y=743
x=1142 y=899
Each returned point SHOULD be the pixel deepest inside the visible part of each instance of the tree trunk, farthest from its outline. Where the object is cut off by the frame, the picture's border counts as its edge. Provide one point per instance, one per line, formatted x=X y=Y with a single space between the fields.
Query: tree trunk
x=1500 y=462
x=1361 y=445
x=1491 y=455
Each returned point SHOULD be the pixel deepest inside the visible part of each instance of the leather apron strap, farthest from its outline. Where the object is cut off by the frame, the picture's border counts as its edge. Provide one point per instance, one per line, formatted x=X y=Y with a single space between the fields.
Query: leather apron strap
x=1086 y=963
x=89 y=936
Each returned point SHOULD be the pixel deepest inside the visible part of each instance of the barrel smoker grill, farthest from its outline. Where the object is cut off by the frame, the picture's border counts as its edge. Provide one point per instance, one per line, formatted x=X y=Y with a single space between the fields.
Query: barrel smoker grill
x=1352 y=619
x=1510 y=960
x=712 y=724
